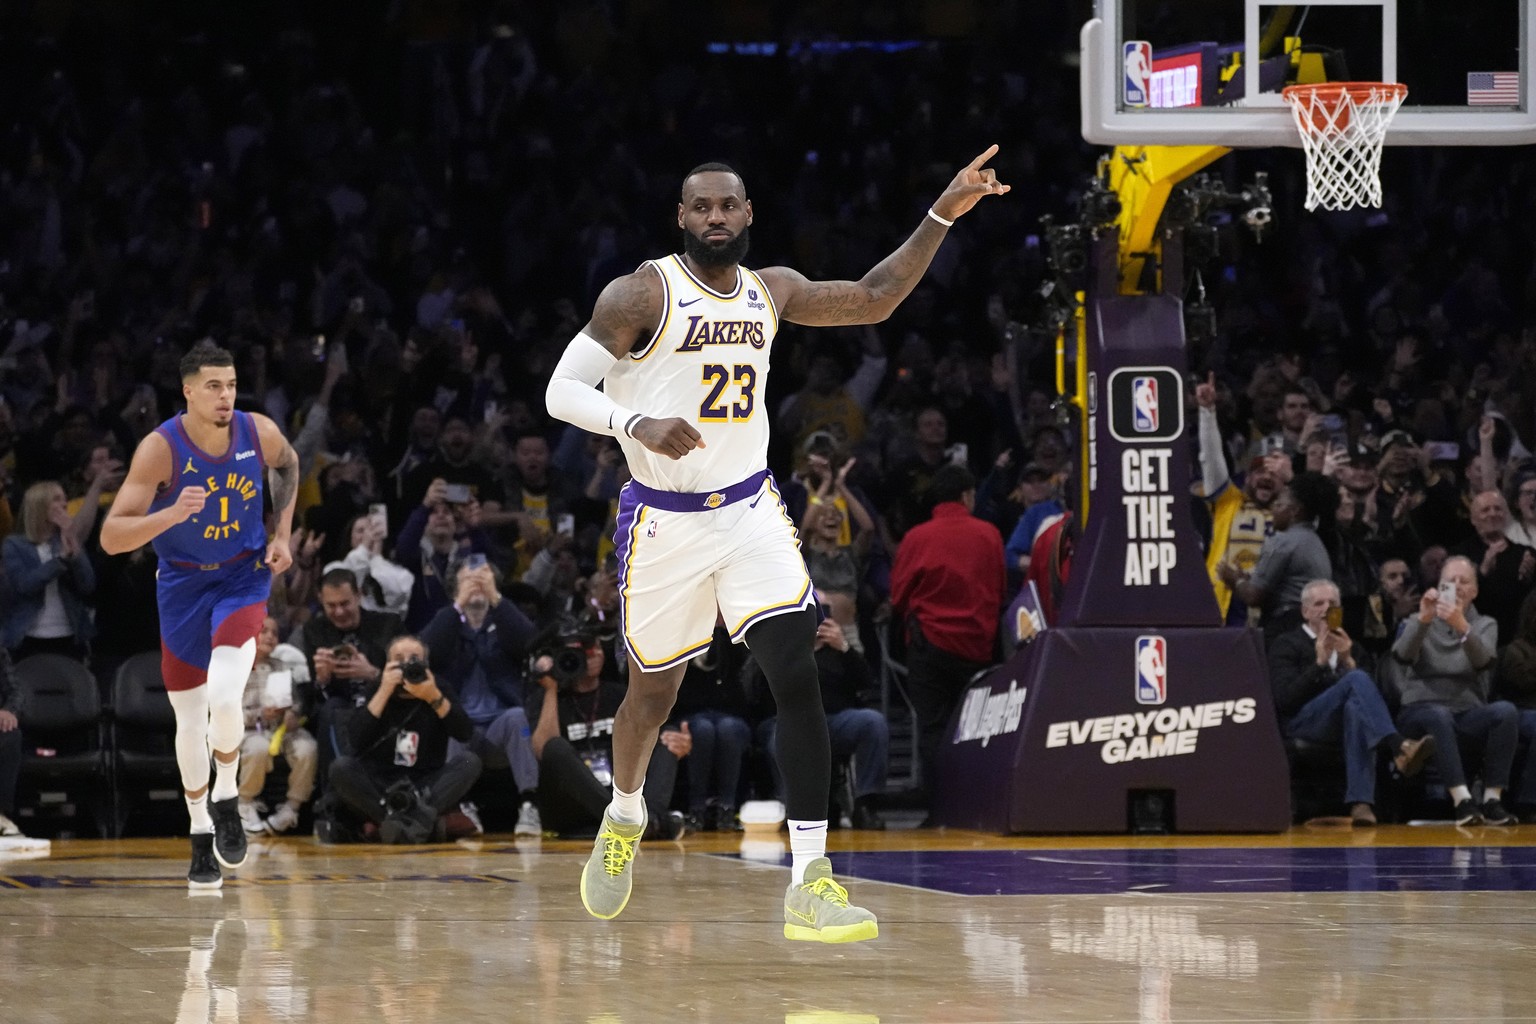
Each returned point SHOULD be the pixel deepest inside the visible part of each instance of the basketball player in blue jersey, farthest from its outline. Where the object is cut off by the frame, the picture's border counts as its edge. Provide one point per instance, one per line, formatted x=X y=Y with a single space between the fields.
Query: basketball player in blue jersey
x=681 y=348
x=194 y=490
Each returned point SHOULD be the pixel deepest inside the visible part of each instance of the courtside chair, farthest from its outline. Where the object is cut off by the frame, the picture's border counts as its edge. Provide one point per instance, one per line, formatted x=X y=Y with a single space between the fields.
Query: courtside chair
x=65 y=776
x=143 y=730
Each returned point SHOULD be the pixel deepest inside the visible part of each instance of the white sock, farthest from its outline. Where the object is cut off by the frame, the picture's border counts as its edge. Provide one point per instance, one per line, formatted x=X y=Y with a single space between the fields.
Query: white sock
x=628 y=808
x=225 y=779
x=807 y=841
x=1492 y=793
x=1460 y=793
x=202 y=821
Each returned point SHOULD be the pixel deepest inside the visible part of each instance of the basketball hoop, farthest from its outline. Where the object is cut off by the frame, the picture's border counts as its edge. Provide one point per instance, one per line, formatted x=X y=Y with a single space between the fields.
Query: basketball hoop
x=1342 y=127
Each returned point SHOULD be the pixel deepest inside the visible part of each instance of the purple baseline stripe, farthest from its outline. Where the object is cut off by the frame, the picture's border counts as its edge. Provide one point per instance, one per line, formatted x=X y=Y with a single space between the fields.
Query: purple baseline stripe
x=1042 y=872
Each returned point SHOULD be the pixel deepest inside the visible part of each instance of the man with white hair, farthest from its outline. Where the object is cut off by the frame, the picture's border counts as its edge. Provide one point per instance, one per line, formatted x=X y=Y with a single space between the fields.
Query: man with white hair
x=1323 y=695
x=1446 y=652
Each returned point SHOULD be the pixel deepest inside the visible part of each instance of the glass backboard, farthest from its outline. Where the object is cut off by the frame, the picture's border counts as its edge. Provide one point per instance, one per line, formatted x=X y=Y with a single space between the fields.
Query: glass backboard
x=1180 y=73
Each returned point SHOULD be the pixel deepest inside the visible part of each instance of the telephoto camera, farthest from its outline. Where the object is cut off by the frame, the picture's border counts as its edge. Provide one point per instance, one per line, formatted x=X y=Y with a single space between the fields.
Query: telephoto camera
x=570 y=663
x=413 y=670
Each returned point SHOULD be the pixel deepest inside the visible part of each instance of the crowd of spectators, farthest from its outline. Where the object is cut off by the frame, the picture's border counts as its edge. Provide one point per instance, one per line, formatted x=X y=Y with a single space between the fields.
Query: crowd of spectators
x=396 y=223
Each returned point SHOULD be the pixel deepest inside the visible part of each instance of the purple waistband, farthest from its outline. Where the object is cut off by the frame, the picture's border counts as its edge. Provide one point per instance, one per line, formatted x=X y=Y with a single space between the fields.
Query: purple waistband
x=680 y=501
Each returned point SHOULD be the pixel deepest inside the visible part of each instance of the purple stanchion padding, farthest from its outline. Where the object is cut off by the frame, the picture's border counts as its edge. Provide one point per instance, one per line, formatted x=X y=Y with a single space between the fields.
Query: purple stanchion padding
x=1060 y=737
x=1137 y=687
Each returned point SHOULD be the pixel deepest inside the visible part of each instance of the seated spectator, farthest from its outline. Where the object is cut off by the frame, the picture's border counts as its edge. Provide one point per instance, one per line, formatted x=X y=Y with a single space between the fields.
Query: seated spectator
x=1396 y=598
x=435 y=537
x=712 y=705
x=274 y=729
x=403 y=777
x=51 y=580
x=1515 y=682
x=947 y=591
x=345 y=646
x=1292 y=557
x=1445 y=653
x=1041 y=498
x=384 y=585
x=573 y=714
x=1324 y=693
x=857 y=731
x=478 y=647
x=1521 y=528
x=835 y=566
x=1505 y=570
x=10 y=745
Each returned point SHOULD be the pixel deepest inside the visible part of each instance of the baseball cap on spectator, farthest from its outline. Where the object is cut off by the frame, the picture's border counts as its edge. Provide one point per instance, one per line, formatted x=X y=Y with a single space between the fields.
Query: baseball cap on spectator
x=1396 y=437
x=1034 y=471
x=1361 y=454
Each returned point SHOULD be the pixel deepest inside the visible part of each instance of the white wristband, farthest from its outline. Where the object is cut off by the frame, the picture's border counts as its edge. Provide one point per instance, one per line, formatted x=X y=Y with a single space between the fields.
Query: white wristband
x=941 y=220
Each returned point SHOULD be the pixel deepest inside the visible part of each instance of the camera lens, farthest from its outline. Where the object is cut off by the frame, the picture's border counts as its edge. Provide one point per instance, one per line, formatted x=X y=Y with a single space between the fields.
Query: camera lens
x=414 y=670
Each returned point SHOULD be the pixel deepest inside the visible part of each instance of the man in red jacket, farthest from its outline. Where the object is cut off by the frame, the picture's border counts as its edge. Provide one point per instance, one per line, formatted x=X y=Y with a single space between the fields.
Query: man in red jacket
x=947 y=588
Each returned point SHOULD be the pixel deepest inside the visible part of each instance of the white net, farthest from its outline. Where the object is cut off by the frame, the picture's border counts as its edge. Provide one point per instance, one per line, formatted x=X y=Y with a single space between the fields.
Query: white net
x=1342 y=127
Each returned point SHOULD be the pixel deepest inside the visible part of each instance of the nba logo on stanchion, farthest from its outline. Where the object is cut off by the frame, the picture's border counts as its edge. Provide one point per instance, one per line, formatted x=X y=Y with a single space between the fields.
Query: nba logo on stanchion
x=1144 y=404
x=1151 y=670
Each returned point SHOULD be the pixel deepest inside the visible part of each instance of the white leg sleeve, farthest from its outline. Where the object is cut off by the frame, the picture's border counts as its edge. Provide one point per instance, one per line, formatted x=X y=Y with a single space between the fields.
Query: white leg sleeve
x=191 y=707
x=228 y=670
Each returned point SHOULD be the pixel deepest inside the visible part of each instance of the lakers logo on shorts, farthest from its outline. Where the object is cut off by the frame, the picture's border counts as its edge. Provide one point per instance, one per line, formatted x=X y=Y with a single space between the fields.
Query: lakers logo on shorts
x=714 y=500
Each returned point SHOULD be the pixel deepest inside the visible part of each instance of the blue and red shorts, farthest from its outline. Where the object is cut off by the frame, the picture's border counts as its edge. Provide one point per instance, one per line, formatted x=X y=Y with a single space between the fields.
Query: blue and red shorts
x=203 y=608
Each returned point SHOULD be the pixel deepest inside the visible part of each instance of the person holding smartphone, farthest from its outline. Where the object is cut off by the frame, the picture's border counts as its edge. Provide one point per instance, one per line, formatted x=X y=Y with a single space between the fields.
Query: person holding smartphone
x=1324 y=693
x=1443 y=653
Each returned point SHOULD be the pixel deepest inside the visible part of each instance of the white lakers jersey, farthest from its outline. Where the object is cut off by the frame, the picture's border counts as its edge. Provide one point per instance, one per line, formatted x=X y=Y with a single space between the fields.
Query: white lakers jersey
x=707 y=362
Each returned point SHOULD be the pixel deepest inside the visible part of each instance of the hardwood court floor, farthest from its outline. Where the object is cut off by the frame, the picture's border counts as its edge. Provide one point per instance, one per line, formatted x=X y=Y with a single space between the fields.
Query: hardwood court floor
x=1399 y=924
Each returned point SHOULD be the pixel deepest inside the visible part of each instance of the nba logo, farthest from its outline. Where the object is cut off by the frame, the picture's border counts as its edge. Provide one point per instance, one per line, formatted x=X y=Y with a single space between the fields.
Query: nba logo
x=1151 y=670
x=1144 y=402
x=1138 y=72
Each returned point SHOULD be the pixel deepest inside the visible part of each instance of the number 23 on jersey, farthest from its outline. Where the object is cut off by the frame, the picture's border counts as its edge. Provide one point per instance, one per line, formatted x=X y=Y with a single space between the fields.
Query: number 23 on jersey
x=718 y=406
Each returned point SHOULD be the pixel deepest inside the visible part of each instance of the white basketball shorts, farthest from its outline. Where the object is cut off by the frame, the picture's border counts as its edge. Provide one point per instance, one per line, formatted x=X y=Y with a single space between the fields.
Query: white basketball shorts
x=686 y=559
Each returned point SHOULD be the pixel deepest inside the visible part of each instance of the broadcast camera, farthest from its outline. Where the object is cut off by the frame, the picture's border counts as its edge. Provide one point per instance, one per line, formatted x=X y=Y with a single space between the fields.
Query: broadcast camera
x=570 y=663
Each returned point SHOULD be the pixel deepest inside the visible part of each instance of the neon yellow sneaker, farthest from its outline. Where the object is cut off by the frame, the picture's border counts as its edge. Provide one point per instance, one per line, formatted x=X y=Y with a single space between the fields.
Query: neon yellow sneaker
x=817 y=910
x=607 y=879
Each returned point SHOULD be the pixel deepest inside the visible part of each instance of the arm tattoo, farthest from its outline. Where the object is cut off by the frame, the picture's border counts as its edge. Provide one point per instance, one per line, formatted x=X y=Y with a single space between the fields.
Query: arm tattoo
x=284 y=478
x=627 y=308
x=873 y=297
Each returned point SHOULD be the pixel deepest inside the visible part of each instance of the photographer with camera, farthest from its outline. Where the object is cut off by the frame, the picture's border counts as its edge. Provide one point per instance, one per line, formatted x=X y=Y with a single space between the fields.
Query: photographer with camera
x=478 y=646
x=573 y=709
x=344 y=646
x=403 y=777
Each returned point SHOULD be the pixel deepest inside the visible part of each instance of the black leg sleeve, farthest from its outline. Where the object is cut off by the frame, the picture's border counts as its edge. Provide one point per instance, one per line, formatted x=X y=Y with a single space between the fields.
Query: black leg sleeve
x=783 y=647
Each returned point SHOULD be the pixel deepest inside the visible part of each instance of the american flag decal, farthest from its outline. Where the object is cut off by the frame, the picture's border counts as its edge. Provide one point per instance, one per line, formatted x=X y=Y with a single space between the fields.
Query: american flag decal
x=1493 y=88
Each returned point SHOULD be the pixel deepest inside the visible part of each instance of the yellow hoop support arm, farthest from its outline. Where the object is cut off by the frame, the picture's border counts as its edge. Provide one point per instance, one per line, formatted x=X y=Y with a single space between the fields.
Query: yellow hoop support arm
x=1143 y=177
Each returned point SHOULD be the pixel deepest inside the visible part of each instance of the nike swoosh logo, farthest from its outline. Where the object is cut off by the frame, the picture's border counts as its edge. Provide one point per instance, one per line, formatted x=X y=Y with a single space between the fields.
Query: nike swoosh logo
x=681 y=304
x=809 y=919
x=755 y=501
x=806 y=828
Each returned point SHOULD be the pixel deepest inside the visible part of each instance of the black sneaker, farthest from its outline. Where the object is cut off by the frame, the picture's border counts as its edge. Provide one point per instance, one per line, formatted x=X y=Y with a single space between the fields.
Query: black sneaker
x=1493 y=813
x=1466 y=813
x=204 y=872
x=228 y=832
